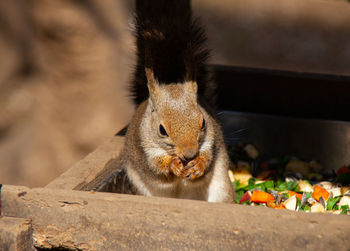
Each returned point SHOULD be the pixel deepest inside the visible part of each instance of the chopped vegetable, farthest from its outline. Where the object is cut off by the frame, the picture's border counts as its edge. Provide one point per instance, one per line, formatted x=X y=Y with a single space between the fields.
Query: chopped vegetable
x=288 y=183
x=326 y=185
x=307 y=208
x=261 y=197
x=298 y=195
x=345 y=191
x=269 y=184
x=332 y=203
x=232 y=177
x=344 y=209
x=317 y=208
x=272 y=203
x=242 y=174
x=305 y=186
x=335 y=191
x=291 y=203
x=344 y=201
x=246 y=197
x=320 y=192
x=239 y=195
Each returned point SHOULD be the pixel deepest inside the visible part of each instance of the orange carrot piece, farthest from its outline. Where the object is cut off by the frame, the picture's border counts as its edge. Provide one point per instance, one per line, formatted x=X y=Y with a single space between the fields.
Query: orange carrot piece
x=261 y=197
x=272 y=204
x=320 y=192
x=291 y=193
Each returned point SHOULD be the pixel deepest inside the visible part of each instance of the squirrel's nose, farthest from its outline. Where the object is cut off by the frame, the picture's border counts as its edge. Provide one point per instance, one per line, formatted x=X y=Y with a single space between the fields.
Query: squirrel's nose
x=189 y=153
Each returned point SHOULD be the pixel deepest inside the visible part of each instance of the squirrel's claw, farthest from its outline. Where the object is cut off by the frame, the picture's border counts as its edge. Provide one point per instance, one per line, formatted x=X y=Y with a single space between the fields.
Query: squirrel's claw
x=195 y=168
x=177 y=167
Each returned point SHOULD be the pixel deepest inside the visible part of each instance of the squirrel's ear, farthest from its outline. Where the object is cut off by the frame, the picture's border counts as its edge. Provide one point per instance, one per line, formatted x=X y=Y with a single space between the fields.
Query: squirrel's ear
x=152 y=83
x=191 y=87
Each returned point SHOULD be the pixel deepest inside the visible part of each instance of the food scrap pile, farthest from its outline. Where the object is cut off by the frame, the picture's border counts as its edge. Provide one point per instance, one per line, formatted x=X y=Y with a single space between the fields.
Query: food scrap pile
x=288 y=183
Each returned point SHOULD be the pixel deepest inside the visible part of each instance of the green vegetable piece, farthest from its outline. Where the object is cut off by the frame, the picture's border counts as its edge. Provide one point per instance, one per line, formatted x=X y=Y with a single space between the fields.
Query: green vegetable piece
x=261 y=186
x=298 y=203
x=281 y=186
x=251 y=181
x=235 y=184
x=331 y=202
x=344 y=209
x=307 y=208
x=308 y=195
x=246 y=202
x=239 y=195
x=252 y=185
x=291 y=185
x=242 y=187
x=269 y=184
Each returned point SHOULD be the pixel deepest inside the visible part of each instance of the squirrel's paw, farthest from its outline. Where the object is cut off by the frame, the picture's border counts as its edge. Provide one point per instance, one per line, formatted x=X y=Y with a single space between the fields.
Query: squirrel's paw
x=163 y=164
x=177 y=167
x=195 y=168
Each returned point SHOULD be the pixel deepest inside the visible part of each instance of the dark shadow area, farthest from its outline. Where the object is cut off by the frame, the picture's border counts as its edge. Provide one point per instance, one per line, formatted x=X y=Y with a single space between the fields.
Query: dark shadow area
x=302 y=95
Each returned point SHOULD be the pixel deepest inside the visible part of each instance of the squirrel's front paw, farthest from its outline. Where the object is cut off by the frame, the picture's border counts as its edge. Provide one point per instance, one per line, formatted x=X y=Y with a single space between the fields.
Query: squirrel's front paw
x=177 y=167
x=195 y=168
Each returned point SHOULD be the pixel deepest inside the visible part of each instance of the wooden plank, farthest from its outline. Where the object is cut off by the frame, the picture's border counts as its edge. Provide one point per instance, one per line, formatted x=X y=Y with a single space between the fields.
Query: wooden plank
x=15 y=234
x=92 y=169
x=105 y=221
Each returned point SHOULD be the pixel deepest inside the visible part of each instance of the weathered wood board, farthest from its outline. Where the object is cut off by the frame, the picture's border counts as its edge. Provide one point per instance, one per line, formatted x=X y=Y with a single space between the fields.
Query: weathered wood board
x=106 y=221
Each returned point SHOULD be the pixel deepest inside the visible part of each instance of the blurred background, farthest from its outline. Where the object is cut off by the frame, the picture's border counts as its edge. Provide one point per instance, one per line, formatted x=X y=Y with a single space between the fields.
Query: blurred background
x=65 y=66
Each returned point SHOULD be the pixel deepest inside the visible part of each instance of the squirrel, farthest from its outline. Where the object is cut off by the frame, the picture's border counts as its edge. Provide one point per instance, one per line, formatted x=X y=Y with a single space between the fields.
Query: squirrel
x=174 y=147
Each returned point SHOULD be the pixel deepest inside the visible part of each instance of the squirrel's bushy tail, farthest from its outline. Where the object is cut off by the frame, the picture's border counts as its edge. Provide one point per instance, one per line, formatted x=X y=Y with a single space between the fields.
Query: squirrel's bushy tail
x=172 y=44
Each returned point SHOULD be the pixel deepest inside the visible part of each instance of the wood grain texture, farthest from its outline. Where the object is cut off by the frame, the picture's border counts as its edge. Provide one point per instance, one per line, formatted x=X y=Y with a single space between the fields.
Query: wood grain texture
x=103 y=221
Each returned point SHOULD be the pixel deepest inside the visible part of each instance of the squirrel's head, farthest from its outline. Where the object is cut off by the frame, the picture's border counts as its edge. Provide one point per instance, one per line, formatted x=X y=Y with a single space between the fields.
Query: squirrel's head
x=177 y=121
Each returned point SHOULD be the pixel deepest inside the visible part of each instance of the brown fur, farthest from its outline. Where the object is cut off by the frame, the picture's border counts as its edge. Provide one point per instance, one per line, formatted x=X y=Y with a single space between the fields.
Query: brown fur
x=184 y=163
x=174 y=147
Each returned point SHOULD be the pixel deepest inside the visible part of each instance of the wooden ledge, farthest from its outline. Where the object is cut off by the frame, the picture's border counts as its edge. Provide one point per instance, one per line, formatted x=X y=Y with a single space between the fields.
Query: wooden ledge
x=106 y=221
x=15 y=234
x=91 y=169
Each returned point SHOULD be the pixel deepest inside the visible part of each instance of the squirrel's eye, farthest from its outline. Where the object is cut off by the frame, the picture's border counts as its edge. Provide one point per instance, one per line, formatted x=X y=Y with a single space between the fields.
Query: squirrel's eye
x=162 y=130
x=203 y=124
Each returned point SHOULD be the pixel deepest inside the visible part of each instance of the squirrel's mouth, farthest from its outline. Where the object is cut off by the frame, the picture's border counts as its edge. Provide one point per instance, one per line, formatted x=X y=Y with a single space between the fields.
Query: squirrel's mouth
x=185 y=162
